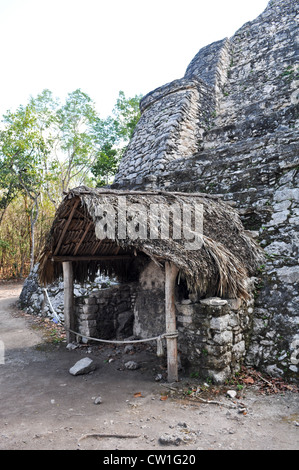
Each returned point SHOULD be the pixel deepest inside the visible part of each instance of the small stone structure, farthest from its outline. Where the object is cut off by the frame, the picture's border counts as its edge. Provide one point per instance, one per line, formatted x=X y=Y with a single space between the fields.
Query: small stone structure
x=213 y=332
x=35 y=301
x=216 y=335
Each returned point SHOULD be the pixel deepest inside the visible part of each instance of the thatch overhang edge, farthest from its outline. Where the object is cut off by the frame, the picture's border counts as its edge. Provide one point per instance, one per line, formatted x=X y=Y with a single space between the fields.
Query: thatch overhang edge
x=222 y=265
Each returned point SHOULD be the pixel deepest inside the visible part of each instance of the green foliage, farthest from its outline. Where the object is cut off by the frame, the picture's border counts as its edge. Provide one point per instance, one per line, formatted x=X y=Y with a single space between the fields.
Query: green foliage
x=127 y=115
x=106 y=165
x=113 y=136
x=47 y=147
x=21 y=150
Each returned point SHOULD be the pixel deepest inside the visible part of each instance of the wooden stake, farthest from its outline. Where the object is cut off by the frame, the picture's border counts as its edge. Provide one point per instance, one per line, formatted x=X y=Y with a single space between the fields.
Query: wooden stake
x=68 y=300
x=171 y=272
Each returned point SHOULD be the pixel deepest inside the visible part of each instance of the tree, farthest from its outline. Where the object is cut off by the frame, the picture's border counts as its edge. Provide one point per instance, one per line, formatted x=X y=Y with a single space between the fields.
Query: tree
x=22 y=150
x=77 y=142
x=113 y=136
x=68 y=129
x=106 y=165
x=47 y=147
x=127 y=115
x=45 y=109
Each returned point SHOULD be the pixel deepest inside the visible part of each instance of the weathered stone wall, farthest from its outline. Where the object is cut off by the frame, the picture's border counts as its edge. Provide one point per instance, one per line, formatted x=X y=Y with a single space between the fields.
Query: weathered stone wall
x=34 y=300
x=244 y=125
x=107 y=313
x=213 y=336
x=172 y=123
x=212 y=333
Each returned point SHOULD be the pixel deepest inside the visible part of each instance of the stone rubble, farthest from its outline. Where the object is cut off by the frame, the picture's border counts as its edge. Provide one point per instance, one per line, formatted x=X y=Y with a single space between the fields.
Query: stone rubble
x=34 y=300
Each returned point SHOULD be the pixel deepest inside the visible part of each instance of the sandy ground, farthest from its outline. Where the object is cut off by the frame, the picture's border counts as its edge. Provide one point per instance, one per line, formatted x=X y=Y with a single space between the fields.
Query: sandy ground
x=43 y=406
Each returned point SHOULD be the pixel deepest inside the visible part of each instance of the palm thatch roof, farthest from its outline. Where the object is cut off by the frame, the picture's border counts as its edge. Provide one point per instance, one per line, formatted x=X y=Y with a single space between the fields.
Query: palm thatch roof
x=221 y=266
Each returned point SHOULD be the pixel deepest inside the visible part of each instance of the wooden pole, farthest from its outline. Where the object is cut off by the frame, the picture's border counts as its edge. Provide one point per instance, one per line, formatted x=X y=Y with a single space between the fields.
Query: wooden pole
x=171 y=272
x=68 y=300
x=91 y=258
x=66 y=225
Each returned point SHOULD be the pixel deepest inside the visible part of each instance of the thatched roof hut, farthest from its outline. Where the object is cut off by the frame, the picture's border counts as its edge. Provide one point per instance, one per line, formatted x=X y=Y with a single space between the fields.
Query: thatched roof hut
x=221 y=265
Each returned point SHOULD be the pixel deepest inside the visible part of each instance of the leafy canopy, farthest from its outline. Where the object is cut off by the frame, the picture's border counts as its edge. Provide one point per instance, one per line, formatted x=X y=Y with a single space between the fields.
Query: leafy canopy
x=47 y=147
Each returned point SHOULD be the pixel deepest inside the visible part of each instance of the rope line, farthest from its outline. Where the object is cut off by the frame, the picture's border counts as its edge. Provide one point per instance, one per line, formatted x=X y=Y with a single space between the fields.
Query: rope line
x=173 y=334
x=155 y=338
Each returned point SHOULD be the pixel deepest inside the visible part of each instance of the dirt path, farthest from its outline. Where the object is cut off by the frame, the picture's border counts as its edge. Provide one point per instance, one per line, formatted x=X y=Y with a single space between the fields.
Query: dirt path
x=43 y=406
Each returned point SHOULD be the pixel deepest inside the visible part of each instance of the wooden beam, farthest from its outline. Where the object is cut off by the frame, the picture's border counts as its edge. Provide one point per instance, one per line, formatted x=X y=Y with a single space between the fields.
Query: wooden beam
x=66 y=225
x=161 y=192
x=82 y=238
x=63 y=259
x=98 y=244
x=171 y=272
x=68 y=281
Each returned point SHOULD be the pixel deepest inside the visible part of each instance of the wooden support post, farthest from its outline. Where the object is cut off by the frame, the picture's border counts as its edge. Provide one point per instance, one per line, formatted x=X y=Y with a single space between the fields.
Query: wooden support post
x=171 y=272
x=68 y=300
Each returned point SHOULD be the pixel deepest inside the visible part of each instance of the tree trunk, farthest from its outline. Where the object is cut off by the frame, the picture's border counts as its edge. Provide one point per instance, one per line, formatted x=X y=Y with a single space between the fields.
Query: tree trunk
x=33 y=220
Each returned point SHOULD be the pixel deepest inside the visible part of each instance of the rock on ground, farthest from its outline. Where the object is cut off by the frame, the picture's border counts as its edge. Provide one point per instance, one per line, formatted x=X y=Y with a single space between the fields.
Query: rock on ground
x=84 y=366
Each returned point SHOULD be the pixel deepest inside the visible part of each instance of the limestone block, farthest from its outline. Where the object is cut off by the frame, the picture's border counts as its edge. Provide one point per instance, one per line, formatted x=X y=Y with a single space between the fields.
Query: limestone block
x=238 y=337
x=239 y=349
x=216 y=350
x=185 y=309
x=282 y=206
x=278 y=218
x=214 y=302
x=225 y=337
x=287 y=194
x=233 y=321
x=220 y=362
x=90 y=301
x=219 y=377
x=234 y=304
x=90 y=309
x=220 y=323
x=288 y=274
x=185 y=319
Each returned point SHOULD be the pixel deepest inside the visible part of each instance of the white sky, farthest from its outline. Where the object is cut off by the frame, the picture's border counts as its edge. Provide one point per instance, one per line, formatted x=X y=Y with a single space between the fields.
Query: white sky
x=106 y=46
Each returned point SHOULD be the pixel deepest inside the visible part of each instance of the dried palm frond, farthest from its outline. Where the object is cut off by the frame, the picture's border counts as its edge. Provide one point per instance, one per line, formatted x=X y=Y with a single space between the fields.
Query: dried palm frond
x=220 y=266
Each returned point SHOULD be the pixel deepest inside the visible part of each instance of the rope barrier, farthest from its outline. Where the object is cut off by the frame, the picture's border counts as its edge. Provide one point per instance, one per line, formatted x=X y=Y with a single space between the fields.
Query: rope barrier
x=173 y=334
x=158 y=339
x=155 y=338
